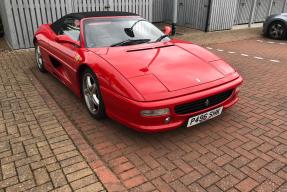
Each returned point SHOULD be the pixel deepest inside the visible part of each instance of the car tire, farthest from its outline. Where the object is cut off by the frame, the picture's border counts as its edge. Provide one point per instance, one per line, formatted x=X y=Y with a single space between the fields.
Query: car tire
x=92 y=94
x=277 y=30
x=1 y=29
x=39 y=59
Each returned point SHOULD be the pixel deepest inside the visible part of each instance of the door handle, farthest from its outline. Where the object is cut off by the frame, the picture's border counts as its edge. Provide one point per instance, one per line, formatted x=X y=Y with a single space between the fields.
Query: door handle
x=181 y=4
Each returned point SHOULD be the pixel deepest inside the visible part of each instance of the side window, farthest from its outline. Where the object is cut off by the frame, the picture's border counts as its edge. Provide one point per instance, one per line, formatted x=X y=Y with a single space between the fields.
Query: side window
x=71 y=27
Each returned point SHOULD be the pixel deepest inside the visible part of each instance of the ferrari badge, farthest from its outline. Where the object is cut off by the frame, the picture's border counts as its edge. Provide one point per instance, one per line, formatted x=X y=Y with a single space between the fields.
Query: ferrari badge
x=78 y=58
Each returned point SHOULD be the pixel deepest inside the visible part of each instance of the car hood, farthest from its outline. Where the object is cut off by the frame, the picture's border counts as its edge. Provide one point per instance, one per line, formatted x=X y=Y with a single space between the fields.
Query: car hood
x=166 y=66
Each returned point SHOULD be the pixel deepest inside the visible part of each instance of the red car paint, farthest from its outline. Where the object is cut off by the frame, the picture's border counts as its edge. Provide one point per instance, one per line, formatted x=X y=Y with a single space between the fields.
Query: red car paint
x=140 y=77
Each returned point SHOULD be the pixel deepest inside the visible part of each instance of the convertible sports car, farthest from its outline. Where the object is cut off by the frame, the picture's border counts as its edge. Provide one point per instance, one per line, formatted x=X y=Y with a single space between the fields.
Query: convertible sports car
x=126 y=68
x=275 y=26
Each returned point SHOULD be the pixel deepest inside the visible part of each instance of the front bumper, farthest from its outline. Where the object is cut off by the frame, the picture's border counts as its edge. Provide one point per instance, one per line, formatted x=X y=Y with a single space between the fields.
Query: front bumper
x=128 y=111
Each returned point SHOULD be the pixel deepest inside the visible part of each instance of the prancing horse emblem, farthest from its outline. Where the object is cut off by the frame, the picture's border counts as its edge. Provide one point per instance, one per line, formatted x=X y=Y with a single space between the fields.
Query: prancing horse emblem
x=78 y=58
x=207 y=102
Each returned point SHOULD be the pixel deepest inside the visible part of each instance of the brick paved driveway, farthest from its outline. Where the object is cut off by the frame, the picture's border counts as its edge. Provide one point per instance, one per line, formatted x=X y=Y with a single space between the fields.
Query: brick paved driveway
x=36 y=153
x=243 y=150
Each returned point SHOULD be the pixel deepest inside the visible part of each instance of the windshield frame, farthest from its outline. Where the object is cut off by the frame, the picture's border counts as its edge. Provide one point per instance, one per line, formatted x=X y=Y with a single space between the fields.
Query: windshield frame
x=83 y=22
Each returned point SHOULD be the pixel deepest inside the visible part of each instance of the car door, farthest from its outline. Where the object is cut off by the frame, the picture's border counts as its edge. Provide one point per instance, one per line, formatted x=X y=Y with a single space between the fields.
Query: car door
x=64 y=56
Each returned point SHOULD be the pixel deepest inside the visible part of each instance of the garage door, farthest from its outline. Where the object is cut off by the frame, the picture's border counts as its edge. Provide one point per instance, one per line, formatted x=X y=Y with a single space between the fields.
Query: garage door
x=243 y=11
x=277 y=6
x=222 y=14
x=261 y=10
x=193 y=13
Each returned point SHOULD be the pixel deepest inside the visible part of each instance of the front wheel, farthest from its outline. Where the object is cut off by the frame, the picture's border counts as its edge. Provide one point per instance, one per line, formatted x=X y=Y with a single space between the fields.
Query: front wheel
x=39 y=59
x=277 y=30
x=92 y=94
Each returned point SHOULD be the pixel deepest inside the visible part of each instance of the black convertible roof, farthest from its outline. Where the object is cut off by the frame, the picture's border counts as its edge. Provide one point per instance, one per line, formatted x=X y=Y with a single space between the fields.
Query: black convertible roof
x=57 y=24
x=99 y=14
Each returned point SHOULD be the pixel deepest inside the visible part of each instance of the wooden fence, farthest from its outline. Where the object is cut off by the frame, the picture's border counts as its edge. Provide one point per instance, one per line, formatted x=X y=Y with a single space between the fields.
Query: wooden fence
x=21 y=18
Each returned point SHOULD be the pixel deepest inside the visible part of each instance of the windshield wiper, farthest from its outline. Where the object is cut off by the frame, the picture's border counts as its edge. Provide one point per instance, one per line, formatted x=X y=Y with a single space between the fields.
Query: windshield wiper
x=161 y=38
x=130 y=41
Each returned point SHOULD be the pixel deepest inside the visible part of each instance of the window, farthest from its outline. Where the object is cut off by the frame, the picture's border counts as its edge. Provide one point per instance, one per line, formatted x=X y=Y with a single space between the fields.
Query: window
x=104 y=32
x=71 y=28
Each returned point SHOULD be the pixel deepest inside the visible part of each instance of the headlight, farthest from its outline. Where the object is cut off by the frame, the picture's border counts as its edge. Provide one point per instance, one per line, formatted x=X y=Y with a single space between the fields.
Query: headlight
x=154 y=113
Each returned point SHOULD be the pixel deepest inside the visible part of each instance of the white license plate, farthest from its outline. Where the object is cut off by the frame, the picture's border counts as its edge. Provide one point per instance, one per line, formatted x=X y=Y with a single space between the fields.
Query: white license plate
x=204 y=117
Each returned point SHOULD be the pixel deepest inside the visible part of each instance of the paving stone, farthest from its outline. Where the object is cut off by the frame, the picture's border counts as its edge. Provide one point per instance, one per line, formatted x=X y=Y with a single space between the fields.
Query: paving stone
x=79 y=174
x=58 y=178
x=246 y=185
x=8 y=170
x=227 y=182
x=208 y=180
x=41 y=176
x=24 y=186
x=92 y=188
x=81 y=183
x=24 y=173
x=65 y=188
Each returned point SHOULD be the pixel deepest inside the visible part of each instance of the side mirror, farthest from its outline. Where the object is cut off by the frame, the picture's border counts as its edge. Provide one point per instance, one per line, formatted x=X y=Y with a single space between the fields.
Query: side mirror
x=167 y=30
x=67 y=39
x=129 y=32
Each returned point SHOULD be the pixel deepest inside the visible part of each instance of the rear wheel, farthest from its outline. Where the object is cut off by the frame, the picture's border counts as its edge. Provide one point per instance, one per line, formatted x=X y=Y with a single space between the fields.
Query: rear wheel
x=39 y=59
x=277 y=30
x=92 y=94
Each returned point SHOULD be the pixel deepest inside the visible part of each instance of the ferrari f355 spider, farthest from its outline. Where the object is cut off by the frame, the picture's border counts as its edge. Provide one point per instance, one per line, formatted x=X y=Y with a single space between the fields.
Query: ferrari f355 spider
x=125 y=68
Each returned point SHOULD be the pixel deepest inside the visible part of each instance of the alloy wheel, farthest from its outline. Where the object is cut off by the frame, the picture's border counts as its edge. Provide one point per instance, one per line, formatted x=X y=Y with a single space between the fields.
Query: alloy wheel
x=91 y=93
x=39 y=58
x=277 y=31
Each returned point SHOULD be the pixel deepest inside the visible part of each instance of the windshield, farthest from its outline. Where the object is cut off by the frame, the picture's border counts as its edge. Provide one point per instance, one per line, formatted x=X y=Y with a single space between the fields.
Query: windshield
x=107 y=32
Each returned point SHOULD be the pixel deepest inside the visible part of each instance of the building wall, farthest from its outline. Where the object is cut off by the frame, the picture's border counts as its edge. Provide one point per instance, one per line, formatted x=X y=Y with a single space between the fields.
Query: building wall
x=262 y=9
x=227 y=13
x=21 y=18
x=8 y=29
x=223 y=13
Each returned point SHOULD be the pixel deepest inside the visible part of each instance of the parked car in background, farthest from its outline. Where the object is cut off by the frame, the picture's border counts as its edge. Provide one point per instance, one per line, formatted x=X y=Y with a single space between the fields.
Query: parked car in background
x=126 y=68
x=275 y=26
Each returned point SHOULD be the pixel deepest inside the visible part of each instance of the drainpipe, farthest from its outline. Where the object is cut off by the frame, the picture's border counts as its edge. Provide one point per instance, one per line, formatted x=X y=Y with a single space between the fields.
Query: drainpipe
x=174 y=18
x=251 y=17
x=284 y=6
x=208 y=15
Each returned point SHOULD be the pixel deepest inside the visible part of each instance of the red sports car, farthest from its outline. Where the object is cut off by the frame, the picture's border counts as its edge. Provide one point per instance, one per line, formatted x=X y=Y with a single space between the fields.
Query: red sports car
x=126 y=68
